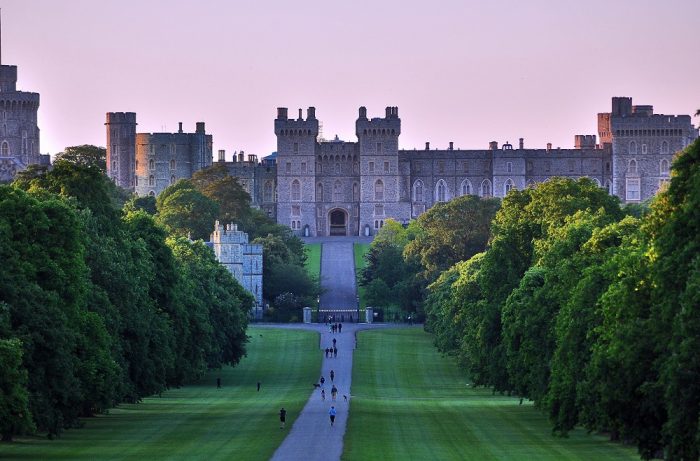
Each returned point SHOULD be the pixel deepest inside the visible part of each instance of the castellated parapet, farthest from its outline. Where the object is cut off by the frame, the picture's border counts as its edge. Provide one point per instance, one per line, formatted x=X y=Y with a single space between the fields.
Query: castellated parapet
x=19 y=133
x=242 y=259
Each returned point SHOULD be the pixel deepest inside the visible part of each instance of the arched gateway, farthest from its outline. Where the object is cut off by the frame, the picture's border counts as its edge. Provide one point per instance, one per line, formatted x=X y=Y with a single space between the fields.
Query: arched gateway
x=338 y=219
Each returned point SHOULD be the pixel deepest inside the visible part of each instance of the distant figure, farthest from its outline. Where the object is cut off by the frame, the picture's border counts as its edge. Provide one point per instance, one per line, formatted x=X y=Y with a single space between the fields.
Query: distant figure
x=345 y=397
x=283 y=417
x=331 y=413
x=322 y=381
x=333 y=342
x=340 y=328
x=323 y=395
x=335 y=352
x=218 y=383
x=258 y=386
x=326 y=352
x=334 y=392
x=332 y=375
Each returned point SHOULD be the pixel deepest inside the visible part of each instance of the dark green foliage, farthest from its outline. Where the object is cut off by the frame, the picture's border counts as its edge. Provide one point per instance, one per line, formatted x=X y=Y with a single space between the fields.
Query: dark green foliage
x=186 y=212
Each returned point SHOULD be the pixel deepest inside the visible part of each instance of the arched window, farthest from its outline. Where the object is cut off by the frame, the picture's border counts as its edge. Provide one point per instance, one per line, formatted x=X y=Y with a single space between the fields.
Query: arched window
x=337 y=192
x=296 y=190
x=319 y=192
x=508 y=186
x=664 y=147
x=379 y=190
x=418 y=191
x=608 y=187
x=267 y=191
x=151 y=180
x=633 y=148
x=595 y=180
x=663 y=166
x=151 y=164
x=632 y=168
x=172 y=164
x=152 y=193
x=466 y=187
x=5 y=149
x=441 y=191
x=486 y=188
x=355 y=192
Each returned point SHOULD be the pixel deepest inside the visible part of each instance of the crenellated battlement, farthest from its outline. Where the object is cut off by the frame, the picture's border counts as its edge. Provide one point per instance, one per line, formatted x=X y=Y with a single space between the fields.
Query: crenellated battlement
x=390 y=125
x=300 y=127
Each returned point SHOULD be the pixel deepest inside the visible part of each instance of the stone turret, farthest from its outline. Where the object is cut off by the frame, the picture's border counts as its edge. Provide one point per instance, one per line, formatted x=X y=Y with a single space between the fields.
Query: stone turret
x=121 y=148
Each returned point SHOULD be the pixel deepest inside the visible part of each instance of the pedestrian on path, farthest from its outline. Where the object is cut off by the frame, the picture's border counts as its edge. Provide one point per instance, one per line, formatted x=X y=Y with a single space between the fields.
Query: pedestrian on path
x=335 y=352
x=323 y=395
x=322 y=380
x=283 y=417
x=331 y=413
x=334 y=392
x=326 y=352
x=258 y=386
x=340 y=328
x=333 y=342
x=332 y=375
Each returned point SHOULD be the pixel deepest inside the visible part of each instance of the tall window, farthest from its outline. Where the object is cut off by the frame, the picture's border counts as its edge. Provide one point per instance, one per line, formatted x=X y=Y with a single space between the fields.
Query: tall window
x=441 y=191
x=172 y=164
x=418 y=191
x=386 y=167
x=486 y=188
x=441 y=166
x=172 y=179
x=151 y=180
x=288 y=168
x=151 y=164
x=633 y=148
x=466 y=187
x=337 y=192
x=663 y=166
x=355 y=192
x=303 y=167
x=296 y=210
x=378 y=210
x=379 y=190
x=267 y=191
x=664 y=147
x=632 y=189
x=644 y=148
x=371 y=167
x=319 y=192
x=508 y=186
x=632 y=169
x=379 y=147
x=337 y=168
x=509 y=167
x=296 y=147
x=296 y=190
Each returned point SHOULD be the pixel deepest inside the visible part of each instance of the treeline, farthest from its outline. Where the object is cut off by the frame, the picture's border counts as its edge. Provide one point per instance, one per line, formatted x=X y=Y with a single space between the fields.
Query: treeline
x=189 y=208
x=100 y=305
x=588 y=309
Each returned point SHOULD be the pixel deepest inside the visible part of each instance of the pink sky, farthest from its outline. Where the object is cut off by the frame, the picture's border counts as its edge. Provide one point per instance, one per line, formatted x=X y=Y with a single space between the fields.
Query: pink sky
x=462 y=71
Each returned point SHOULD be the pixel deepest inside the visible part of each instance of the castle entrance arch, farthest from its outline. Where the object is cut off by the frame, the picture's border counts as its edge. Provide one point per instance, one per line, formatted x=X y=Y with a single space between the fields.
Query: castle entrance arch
x=338 y=219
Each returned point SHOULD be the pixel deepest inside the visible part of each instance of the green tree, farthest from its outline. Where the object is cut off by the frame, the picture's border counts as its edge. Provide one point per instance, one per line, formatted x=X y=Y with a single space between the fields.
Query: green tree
x=86 y=155
x=216 y=183
x=184 y=211
x=15 y=418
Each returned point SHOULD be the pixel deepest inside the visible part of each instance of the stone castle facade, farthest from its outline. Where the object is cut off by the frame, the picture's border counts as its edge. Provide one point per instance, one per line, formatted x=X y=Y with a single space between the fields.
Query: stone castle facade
x=242 y=259
x=322 y=188
x=19 y=133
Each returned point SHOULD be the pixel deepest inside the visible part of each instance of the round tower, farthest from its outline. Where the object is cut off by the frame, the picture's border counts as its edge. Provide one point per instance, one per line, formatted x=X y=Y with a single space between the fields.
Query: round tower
x=121 y=148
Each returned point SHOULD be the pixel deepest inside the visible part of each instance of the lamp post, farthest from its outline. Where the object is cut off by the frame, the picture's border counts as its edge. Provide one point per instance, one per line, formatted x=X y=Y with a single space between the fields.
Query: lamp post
x=357 y=299
x=318 y=307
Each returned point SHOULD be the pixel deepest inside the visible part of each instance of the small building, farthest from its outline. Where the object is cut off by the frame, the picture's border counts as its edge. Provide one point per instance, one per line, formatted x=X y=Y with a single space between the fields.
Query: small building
x=242 y=259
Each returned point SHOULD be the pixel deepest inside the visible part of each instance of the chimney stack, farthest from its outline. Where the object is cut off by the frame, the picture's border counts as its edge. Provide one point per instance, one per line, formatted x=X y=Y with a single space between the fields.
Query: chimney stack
x=549 y=146
x=282 y=113
x=451 y=145
x=522 y=143
x=427 y=146
x=180 y=129
x=222 y=155
x=493 y=145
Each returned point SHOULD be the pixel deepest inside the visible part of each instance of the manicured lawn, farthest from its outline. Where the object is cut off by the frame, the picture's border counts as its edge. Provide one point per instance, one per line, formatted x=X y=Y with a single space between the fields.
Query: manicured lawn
x=360 y=250
x=409 y=402
x=313 y=259
x=200 y=421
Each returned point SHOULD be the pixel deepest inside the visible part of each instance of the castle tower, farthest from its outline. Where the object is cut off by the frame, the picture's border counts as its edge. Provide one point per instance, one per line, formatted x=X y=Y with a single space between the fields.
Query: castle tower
x=382 y=187
x=19 y=133
x=121 y=145
x=296 y=169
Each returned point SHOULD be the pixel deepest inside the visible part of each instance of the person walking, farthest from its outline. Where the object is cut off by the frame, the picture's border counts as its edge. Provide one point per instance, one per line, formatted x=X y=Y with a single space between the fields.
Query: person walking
x=323 y=395
x=334 y=392
x=331 y=413
x=283 y=417
x=332 y=375
x=334 y=342
x=340 y=328
x=322 y=381
x=258 y=386
x=326 y=352
x=335 y=352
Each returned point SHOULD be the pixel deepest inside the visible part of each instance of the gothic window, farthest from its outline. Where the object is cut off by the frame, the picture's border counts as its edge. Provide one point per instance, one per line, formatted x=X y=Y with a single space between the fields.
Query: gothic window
x=296 y=147
x=664 y=147
x=337 y=192
x=355 y=192
x=418 y=191
x=24 y=142
x=337 y=168
x=644 y=148
x=547 y=166
x=319 y=192
x=633 y=148
x=136 y=181
x=296 y=190
x=371 y=167
x=386 y=167
x=607 y=167
x=663 y=166
x=172 y=149
x=508 y=186
x=441 y=191
x=632 y=168
x=379 y=190
x=151 y=180
x=267 y=191
x=595 y=180
x=114 y=165
x=151 y=164
x=509 y=167
x=608 y=186
x=632 y=189
x=466 y=187
x=303 y=167
x=486 y=188
x=172 y=164
x=355 y=167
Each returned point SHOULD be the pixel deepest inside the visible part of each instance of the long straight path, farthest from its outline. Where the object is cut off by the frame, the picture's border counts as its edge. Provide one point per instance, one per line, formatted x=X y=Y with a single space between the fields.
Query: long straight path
x=338 y=275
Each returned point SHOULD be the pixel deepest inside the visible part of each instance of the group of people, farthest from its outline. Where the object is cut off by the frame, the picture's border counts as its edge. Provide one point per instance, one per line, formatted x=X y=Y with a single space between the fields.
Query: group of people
x=335 y=327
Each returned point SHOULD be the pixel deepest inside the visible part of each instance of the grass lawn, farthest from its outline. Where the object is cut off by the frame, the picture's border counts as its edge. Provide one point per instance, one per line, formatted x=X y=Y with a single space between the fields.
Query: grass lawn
x=313 y=259
x=409 y=402
x=360 y=250
x=200 y=421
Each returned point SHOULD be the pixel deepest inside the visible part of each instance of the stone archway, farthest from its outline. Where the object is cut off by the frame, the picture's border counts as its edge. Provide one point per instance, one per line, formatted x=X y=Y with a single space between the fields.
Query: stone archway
x=338 y=222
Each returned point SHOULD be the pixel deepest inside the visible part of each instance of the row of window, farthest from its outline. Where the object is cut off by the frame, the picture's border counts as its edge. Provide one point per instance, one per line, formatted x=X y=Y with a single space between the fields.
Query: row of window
x=657 y=132
x=5 y=146
x=663 y=166
x=633 y=148
x=152 y=180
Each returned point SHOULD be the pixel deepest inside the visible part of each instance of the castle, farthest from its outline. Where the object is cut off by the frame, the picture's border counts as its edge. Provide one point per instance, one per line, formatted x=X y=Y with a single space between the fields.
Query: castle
x=322 y=188
x=242 y=259
x=19 y=133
